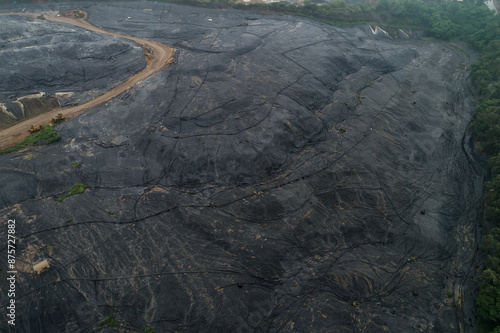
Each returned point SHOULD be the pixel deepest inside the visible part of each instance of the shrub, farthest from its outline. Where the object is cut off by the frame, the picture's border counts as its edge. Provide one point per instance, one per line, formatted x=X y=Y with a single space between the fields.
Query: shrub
x=109 y=321
x=76 y=189
x=488 y=303
x=46 y=135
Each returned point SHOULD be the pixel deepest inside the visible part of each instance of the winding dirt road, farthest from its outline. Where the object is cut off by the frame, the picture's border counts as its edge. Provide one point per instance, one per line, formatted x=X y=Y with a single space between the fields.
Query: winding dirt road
x=158 y=55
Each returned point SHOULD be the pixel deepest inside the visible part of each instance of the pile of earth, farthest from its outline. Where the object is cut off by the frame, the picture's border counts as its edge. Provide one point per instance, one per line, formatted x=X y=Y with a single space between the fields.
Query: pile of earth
x=281 y=175
x=61 y=64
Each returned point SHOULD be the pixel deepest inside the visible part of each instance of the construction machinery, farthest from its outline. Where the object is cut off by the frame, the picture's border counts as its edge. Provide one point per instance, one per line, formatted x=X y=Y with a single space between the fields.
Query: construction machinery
x=34 y=129
x=57 y=119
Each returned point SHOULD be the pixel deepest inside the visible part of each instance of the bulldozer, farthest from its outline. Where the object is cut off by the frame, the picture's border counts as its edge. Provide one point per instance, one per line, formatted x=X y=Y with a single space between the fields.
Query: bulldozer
x=57 y=119
x=34 y=129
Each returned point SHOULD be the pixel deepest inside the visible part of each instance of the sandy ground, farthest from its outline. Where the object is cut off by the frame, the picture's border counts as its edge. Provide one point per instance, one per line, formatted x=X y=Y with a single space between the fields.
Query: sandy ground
x=160 y=57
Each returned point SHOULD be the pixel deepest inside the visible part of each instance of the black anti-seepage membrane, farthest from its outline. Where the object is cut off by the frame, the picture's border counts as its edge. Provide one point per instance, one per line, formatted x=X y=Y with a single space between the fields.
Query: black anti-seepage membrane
x=271 y=179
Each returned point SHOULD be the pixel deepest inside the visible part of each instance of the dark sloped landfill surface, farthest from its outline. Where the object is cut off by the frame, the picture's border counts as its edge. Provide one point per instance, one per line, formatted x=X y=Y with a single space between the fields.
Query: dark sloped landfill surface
x=50 y=57
x=280 y=176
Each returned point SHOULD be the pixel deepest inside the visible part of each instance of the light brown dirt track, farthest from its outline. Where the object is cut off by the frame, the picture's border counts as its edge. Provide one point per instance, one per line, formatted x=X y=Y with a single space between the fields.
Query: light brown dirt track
x=161 y=57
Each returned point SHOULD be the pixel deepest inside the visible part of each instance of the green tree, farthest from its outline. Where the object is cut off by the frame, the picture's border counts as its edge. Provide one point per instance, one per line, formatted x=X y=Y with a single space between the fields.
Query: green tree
x=491 y=242
x=488 y=304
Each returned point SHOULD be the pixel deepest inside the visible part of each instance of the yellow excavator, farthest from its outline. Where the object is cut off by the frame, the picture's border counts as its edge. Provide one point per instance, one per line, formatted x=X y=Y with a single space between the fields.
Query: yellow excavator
x=57 y=119
x=34 y=129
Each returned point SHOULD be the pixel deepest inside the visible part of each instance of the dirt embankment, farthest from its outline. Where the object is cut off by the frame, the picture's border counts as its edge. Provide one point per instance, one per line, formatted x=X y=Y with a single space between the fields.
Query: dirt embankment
x=158 y=56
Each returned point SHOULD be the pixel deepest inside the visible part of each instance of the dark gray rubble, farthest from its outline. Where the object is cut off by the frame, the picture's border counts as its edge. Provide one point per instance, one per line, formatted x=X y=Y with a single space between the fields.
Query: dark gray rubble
x=280 y=176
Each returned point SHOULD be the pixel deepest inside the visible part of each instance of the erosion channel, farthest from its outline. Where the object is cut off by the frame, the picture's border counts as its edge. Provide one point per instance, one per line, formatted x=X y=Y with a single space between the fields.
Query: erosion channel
x=281 y=175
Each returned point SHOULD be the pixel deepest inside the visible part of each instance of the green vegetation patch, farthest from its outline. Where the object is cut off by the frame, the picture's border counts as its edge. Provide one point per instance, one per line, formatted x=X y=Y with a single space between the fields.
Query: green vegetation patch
x=75 y=163
x=46 y=135
x=76 y=189
x=109 y=321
